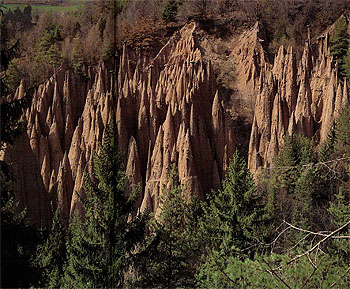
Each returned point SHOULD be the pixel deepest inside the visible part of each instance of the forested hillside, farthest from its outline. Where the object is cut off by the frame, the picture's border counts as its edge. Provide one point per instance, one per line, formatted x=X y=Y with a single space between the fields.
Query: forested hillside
x=175 y=143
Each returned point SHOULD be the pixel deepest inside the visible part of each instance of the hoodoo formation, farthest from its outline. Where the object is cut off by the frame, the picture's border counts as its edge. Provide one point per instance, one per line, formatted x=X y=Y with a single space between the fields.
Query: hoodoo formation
x=295 y=97
x=175 y=143
x=169 y=109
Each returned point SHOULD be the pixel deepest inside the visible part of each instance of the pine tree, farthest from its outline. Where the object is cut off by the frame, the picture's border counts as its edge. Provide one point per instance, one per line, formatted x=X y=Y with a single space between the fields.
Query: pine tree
x=77 y=254
x=18 y=241
x=171 y=245
x=303 y=194
x=340 y=213
x=293 y=181
x=233 y=224
x=342 y=144
x=170 y=11
x=51 y=256
x=339 y=45
x=47 y=53
x=347 y=64
x=103 y=238
x=11 y=111
x=235 y=213
x=340 y=206
x=327 y=148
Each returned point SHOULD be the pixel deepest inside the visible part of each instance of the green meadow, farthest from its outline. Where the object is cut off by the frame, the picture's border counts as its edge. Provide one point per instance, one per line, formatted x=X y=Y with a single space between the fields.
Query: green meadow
x=69 y=6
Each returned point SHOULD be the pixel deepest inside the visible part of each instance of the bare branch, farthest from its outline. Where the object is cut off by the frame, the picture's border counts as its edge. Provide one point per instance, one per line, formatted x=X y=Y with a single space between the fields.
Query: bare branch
x=302 y=239
x=316 y=255
x=311 y=165
x=312 y=263
x=322 y=233
x=330 y=169
x=279 y=235
x=320 y=242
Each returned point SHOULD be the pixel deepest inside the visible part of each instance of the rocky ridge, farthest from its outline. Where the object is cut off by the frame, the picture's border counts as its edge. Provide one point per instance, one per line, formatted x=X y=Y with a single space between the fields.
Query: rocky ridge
x=302 y=97
x=168 y=110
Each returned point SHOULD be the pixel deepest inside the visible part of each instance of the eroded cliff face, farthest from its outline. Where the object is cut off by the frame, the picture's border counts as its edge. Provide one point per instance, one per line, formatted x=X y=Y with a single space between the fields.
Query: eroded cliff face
x=168 y=109
x=292 y=97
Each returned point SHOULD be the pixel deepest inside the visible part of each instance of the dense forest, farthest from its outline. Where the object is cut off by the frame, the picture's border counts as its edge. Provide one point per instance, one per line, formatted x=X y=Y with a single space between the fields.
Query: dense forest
x=286 y=226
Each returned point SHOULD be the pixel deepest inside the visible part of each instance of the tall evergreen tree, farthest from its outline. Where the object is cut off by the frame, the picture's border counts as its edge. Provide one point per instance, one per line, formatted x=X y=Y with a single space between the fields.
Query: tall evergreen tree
x=339 y=45
x=102 y=240
x=18 y=240
x=171 y=245
x=342 y=134
x=51 y=255
x=340 y=214
x=235 y=215
x=233 y=224
x=327 y=148
x=292 y=181
x=169 y=13
x=347 y=64
x=339 y=208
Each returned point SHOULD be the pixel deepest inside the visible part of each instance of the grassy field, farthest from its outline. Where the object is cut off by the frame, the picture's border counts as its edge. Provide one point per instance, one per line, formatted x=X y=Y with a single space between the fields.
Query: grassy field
x=70 y=5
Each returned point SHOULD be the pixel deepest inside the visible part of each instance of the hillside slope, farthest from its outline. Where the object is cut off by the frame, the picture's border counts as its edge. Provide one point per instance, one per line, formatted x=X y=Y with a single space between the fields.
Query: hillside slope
x=183 y=106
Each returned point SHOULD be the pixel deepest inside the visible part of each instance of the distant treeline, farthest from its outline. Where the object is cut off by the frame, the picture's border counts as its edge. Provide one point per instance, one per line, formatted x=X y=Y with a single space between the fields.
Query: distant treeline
x=69 y=37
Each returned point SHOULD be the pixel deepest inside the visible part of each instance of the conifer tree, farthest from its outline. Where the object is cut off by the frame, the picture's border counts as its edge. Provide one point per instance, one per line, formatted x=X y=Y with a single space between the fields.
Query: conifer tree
x=171 y=245
x=339 y=45
x=170 y=11
x=340 y=214
x=293 y=181
x=233 y=224
x=51 y=256
x=235 y=214
x=18 y=240
x=340 y=206
x=342 y=134
x=103 y=238
x=327 y=148
x=347 y=64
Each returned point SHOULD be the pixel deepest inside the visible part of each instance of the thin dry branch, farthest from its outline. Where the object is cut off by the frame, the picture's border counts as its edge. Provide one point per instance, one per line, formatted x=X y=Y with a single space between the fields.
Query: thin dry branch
x=312 y=263
x=275 y=240
x=316 y=255
x=302 y=239
x=318 y=243
x=330 y=169
x=316 y=233
x=310 y=165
